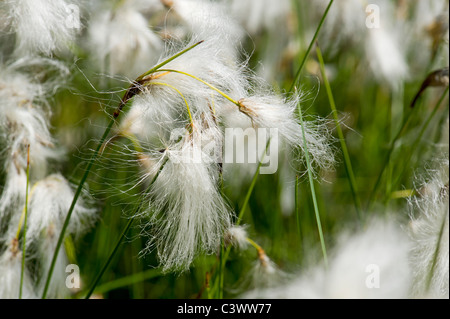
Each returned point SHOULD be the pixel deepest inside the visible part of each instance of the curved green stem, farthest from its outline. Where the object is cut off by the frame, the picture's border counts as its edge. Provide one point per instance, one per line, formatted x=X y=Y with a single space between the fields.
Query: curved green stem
x=179 y=93
x=204 y=82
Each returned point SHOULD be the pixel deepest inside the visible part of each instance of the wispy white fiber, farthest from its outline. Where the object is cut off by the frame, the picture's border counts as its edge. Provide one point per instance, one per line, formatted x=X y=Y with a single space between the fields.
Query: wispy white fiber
x=122 y=41
x=49 y=202
x=185 y=212
x=42 y=26
x=10 y=273
x=365 y=265
x=271 y=111
x=429 y=232
x=237 y=236
x=257 y=15
x=46 y=248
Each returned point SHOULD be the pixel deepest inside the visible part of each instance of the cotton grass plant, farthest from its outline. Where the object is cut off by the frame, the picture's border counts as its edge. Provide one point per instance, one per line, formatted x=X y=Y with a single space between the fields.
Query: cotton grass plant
x=148 y=193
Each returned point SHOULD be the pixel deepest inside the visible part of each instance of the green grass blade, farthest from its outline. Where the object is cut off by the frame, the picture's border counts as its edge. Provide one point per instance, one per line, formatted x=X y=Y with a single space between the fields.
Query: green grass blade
x=127 y=96
x=128 y=280
x=72 y=206
x=387 y=158
x=110 y=258
x=224 y=255
x=436 y=252
x=347 y=161
x=405 y=163
x=313 y=40
x=22 y=271
x=313 y=191
x=121 y=238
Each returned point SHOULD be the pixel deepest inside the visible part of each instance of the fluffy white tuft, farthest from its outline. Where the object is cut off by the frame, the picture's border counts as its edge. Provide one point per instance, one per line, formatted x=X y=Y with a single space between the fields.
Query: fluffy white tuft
x=355 y=259
x=257 y=15
x=186 y=212
x=43 y=26
x=237 y=236
x=10 y=273
x=122 y=41
x=270 y=111
x=429 y=232
x=49 y=202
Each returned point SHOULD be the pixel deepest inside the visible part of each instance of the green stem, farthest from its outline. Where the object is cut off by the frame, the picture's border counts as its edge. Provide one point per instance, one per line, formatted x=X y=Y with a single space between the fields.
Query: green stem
x=299 y=71
x=121 y=238
x=224 y=256
x=72 y=206
x=347 y=161
x=22 y=271
x=111 y=256
x=297 y=213
x=128 y=280
x=405 y=164
x=436 y=252
x=392 y=146
x=250 y=189
x=212 y=87
x=221 y=271
x=132 y=90
x=388 y=157
x=313 y=191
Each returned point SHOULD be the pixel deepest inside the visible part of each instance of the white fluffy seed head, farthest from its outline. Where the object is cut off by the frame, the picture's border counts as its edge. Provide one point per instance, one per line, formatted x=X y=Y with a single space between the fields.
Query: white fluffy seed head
x=263 y=274
x=186 y=212
x=49 y=202
x=385 y=56
x=368 y=260
x=270 y=111
x=23 y=123
x=257 y=15
x=221 y=71
x=365 y=265
x=237 y=236
x=12 y=198
x=122 y=42
x=42 y=26
x=210 y=20
x=10 y=273
x=25 y=113
x=429 y=231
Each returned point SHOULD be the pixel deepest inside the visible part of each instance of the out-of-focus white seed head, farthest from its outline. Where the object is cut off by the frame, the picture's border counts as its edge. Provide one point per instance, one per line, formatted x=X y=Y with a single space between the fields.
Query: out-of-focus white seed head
x=257 y=15
x=49 y=202
x=42 y=26
x=264 y=274
x=429 y=231
x=122 y=42
x=385 y=56
x=210 y=20
x=24 y=122
x=365 y=265
x=57 y=287
x=13 y=195
x=10 y=273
